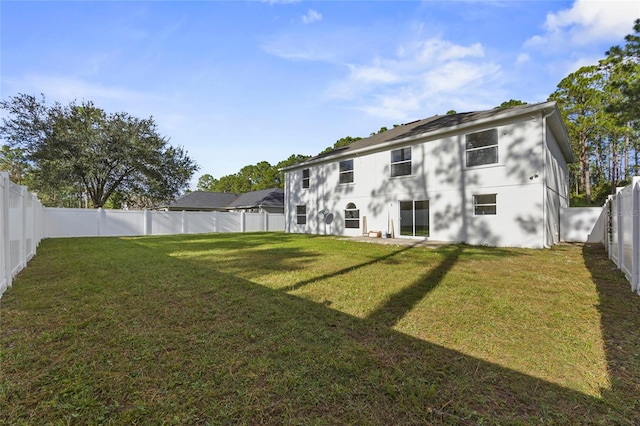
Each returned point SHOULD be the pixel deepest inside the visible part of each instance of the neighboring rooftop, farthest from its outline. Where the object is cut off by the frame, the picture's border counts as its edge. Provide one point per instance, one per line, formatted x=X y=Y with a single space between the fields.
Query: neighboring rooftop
x=273 y=197
x=205 y=200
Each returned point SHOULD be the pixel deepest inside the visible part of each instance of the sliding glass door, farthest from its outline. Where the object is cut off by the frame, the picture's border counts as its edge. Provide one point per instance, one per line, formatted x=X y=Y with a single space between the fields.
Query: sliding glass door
x=414 y=218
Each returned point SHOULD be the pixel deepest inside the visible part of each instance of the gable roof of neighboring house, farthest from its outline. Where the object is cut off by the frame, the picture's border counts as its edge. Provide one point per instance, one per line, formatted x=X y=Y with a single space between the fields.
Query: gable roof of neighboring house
x=204 y=200
x=439 y=124
x=273 y=197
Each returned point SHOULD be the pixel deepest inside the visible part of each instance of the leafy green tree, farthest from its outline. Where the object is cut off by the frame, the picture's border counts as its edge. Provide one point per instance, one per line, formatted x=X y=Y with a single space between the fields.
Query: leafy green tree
x=229 y=183
x=347 y=140
x=382 y=130
x=581 y=102
x=622 y=65
x=207 y=182
x=255 y=177
x=617 y=125
x=81 y=146
x=627 y=59
x=12 y=160
x=510 y=103
x=293 y=159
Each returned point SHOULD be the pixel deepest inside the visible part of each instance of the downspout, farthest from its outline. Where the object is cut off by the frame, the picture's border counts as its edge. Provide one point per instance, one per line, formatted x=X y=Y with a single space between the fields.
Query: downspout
x=287 y=207
x=544 y=180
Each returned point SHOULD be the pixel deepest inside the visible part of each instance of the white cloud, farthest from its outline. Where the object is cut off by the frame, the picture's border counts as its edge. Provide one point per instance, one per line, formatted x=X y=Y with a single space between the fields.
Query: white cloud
x=69 y=88
x=291 y=51
x=421 y=76
x=373 y=75
x=587 y=21
x=279 y=1
x=437 y=50
x=311 y=16
x=523 y=58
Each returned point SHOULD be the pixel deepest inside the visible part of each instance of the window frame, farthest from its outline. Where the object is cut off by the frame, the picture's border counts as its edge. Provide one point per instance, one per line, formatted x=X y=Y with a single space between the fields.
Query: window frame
x=346 y=172
x=485 y=206
x=306 y=179
x=402 y=162
x=301 y=217
x=351 y=216
x=494 y=147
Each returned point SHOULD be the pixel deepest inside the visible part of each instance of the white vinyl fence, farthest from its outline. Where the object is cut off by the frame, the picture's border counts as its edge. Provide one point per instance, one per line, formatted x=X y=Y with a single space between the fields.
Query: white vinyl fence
x=582 y=224
x=62 y=223
x=623 y=231
x=24 y=222
x=20 y=229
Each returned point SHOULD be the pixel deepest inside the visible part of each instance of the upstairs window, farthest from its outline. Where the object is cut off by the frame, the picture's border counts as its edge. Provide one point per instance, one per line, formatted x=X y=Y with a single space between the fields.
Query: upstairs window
x=346 y=171
x=301 y=215
x=482 y=148
x=305 y=178
x=484 y=204
x=401 y=162
x=351 y=216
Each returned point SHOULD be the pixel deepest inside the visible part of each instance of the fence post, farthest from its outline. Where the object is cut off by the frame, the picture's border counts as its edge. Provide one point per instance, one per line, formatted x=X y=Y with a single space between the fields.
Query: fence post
x=266 y=221
x=242 y=221
x=635 y=226
x=6 y=243
x=34 y=224
x=100 y=221
x=145 y=222
x=183 y=216
x=22 y=243
x=620 y=217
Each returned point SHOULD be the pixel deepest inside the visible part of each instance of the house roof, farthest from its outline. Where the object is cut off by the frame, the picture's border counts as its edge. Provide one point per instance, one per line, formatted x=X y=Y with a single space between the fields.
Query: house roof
x=273 y=197
x=204 y=200
x=446 y=123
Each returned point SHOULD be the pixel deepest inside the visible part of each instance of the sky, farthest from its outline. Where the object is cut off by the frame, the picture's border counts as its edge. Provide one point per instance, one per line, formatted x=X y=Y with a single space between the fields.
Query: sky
x=239 y=82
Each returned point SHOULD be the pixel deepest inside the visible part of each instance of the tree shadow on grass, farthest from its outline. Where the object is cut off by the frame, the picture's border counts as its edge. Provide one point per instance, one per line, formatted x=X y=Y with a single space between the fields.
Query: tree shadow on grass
x=221 y=349
x=619 y=311
x=392 y=311
x=350 y=269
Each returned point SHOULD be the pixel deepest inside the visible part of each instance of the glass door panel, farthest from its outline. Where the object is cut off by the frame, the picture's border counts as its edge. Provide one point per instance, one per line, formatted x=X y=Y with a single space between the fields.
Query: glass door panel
x=406 y=218
x=421 y=222
x=414 y=218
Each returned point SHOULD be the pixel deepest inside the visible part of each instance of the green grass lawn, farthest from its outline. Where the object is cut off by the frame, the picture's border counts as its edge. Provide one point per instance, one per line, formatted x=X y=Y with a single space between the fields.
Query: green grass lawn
x=272 y=328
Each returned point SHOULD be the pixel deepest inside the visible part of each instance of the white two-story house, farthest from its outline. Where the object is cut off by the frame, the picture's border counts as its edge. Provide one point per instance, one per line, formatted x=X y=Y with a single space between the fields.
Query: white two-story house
x=496 y=177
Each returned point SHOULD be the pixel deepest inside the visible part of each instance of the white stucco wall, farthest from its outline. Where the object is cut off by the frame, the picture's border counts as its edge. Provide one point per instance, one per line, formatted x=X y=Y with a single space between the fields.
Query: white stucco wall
x=583 y=224
x=556 y=179
x=440 y=176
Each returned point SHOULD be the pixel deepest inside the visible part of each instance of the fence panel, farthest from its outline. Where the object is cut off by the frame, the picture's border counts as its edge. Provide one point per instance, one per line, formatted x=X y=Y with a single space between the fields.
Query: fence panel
x=20 y=231
x=201 y=222
x=16 y=230
x=121 y=223
x=582 y=224
x=623 y=231
x=60 y=223
x=254 y=222
x=228 y=222
x=275 y=222
x=166 y=223
x=613 y=246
